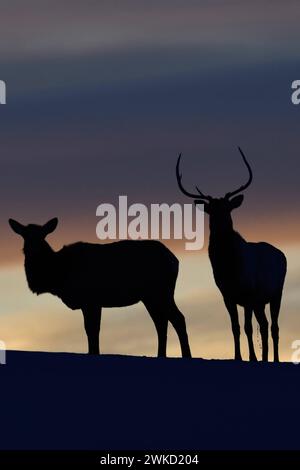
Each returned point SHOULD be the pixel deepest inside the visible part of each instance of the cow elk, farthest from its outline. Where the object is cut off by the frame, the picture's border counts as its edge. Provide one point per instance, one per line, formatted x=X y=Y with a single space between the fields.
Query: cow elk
x=90 y=276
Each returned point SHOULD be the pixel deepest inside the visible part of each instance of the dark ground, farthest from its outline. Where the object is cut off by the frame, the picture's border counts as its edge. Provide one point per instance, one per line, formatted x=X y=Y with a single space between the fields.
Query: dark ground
x=76 y=401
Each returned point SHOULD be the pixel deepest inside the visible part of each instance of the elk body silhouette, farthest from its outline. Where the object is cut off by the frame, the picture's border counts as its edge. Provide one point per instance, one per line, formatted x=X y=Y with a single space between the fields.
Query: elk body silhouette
x=247 y=274
x=90 y=276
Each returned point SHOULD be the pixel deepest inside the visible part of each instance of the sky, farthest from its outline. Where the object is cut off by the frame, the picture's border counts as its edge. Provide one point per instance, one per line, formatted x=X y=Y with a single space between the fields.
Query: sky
x=101 y=98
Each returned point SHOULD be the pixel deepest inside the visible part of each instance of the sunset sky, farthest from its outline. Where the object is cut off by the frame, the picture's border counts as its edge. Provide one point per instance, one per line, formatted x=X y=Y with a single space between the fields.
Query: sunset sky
x=101 y=98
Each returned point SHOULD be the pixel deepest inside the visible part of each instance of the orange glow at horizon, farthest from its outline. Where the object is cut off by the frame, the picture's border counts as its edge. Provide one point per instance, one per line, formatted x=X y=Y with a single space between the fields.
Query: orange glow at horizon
x=30 y=322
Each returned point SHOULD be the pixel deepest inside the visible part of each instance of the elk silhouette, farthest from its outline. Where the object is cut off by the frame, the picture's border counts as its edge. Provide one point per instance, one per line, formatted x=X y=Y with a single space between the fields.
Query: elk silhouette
x=247 y=274
x=90 y=276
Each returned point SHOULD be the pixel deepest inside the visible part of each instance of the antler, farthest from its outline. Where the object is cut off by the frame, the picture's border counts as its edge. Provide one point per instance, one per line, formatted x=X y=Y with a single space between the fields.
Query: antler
x=245 y=186
x=182 y=189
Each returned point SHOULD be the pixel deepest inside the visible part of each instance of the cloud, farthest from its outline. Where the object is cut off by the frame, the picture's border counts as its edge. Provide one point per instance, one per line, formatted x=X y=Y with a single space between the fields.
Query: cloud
x=51 y=29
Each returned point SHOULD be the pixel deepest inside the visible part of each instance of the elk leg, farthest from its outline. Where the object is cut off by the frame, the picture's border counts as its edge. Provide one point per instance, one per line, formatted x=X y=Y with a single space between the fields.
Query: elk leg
x=275 y=308
x=234 y=317
x=249 y=333
x=259 y=312
x=177 y=319
x=92 y=320
x=161 y=324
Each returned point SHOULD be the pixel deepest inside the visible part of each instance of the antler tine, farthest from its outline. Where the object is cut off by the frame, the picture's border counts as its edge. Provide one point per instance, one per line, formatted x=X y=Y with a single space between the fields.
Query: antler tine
x=182 y=189
x=246 y=185
x=203 y=195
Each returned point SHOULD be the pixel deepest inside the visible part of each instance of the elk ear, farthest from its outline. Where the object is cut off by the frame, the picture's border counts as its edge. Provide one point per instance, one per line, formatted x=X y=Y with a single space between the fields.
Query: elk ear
x=17 y=227
x=236 y=202
x=205 y=205
x=50 y=226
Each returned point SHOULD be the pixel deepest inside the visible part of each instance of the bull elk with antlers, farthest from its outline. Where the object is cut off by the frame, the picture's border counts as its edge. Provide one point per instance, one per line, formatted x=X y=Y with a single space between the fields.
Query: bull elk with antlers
x=247 y=274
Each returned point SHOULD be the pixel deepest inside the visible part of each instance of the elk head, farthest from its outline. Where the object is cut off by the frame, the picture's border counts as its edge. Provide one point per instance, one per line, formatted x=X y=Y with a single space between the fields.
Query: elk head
x=219 y=209
x=33 y=235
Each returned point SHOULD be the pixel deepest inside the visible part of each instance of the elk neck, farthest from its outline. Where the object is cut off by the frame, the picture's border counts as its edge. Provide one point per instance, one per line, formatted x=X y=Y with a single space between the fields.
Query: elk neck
x=224 y=243
x=39 y=266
